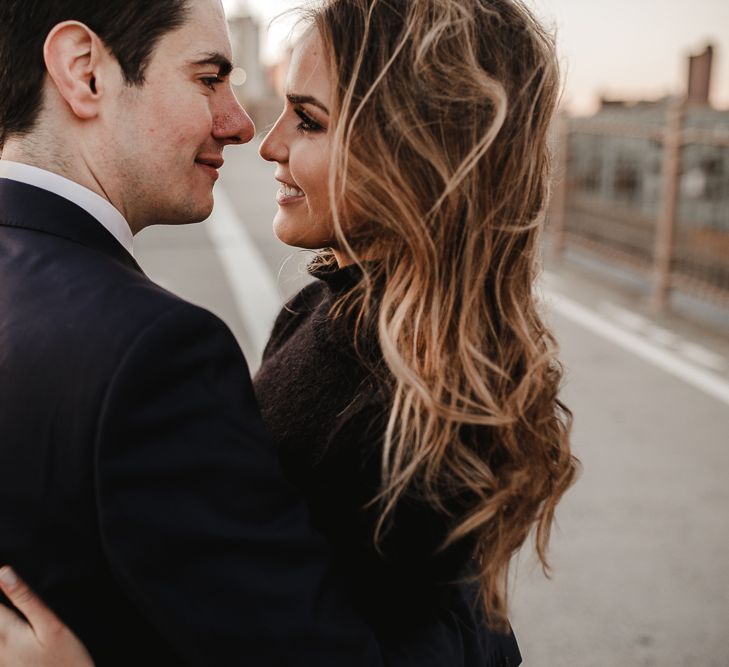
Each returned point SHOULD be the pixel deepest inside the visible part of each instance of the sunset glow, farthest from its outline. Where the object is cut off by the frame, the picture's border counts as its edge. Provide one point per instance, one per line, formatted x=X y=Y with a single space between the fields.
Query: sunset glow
x=632 y=49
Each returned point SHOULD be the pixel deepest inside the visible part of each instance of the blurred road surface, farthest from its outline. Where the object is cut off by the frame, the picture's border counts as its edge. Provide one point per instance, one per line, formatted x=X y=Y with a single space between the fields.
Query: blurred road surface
x=641 y=556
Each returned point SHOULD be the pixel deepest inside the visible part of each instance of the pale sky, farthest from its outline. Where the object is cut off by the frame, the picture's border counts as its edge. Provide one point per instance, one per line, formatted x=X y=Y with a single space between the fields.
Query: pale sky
x=621 y=48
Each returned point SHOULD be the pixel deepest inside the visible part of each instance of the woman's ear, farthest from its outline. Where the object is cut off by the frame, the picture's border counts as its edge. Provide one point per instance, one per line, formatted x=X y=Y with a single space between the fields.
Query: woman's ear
x=72 y=54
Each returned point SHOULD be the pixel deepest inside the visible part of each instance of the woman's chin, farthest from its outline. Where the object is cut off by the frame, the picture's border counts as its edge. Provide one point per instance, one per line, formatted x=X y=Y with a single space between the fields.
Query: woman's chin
x=298 y=234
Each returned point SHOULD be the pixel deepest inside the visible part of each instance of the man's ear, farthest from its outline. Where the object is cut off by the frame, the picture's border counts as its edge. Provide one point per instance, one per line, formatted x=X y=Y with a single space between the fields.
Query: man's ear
x=73 y=53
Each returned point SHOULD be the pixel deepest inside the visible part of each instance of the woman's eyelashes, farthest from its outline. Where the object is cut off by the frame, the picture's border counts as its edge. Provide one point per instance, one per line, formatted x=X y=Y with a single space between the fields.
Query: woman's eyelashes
x=307 y=124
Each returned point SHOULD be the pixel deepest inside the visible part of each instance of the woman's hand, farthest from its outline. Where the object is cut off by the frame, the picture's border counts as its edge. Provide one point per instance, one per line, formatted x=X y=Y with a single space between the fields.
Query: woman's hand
x=42 y=642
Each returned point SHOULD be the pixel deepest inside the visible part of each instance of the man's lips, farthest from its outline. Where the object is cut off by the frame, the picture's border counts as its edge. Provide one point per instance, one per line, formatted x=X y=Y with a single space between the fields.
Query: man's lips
x=211 y=160
x=210 y=164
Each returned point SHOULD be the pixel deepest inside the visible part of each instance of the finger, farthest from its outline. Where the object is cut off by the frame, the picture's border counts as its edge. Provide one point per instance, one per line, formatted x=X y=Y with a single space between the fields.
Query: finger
x=8 y=623
x=42 y=620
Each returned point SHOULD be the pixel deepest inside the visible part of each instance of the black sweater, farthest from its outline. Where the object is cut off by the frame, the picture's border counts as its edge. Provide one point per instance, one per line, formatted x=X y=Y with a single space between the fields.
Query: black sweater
x=327 y=411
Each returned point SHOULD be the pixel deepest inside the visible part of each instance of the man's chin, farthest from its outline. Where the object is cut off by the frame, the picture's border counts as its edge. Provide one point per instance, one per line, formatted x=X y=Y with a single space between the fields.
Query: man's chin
x=196 y=212
x=185 y=217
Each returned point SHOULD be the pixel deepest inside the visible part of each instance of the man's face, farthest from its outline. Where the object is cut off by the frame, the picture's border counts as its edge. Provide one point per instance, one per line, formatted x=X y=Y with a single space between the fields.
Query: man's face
x=161 y=144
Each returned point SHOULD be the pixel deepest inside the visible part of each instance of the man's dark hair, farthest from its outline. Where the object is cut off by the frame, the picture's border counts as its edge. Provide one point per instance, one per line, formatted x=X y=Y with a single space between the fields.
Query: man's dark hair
x=130 y=29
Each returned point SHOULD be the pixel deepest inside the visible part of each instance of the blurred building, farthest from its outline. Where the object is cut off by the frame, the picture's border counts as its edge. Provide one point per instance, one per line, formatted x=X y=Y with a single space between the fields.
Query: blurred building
x=646 y=183
x=251 y=82
x=699 y=76
x=246 y=41
x=623 y=163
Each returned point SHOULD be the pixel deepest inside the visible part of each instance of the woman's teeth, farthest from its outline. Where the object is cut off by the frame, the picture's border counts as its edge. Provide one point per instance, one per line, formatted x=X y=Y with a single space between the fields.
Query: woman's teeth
x=290 y=191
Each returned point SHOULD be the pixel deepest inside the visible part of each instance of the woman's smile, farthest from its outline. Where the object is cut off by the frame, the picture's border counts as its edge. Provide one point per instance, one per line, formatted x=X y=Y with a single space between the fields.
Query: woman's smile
x=289 y=194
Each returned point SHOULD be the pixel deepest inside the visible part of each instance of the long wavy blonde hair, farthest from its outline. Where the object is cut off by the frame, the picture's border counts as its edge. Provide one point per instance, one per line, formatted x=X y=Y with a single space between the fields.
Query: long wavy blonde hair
x=439 y=171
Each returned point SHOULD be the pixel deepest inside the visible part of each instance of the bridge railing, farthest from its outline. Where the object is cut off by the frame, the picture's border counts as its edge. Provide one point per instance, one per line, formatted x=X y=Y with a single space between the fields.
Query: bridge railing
x=652 y=194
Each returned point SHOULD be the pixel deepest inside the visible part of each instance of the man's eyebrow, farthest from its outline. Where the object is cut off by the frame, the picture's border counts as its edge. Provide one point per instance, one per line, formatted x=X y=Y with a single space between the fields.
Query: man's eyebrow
x=306 y=99
x=217 y=59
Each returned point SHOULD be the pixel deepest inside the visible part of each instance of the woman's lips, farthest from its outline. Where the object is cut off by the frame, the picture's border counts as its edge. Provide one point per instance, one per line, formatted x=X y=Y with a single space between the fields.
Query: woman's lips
x=289 y=194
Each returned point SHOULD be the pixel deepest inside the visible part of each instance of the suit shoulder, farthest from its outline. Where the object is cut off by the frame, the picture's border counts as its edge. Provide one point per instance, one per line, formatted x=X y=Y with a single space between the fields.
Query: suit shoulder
x=163 y=323
x=128 y=302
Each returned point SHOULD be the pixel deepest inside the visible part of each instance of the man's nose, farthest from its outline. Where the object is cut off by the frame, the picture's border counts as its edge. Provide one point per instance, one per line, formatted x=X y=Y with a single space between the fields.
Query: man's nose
x=232 y=125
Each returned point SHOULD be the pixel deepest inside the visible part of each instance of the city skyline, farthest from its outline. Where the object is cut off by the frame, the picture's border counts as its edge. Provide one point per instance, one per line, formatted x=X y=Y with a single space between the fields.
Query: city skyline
x=631 y=49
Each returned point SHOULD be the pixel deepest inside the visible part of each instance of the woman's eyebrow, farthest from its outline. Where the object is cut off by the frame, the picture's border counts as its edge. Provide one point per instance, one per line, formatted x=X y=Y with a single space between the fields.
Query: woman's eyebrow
x=306 y=99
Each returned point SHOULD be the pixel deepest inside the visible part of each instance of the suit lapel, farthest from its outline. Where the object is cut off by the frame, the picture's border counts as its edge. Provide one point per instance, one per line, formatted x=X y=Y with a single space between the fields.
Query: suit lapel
x=28 y=207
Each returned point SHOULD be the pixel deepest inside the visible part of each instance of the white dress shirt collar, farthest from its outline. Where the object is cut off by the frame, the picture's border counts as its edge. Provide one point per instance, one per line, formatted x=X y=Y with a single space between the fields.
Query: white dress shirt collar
x=93 y=204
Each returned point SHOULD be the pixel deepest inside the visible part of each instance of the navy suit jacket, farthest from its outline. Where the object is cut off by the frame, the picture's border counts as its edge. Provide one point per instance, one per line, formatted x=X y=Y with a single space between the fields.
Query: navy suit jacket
x=139 y=493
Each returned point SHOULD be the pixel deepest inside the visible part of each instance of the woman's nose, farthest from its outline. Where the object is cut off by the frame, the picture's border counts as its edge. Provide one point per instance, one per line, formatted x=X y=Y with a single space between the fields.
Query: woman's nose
x=273 y=148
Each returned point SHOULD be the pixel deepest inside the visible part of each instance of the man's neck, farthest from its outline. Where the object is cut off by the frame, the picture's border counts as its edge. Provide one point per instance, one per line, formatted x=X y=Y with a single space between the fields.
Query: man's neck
x=57 y=161
x=47 y=175
x=24 y=151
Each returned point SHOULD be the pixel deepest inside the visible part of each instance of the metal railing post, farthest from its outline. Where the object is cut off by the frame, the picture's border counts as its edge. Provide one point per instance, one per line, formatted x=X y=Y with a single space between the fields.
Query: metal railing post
x=666 y=223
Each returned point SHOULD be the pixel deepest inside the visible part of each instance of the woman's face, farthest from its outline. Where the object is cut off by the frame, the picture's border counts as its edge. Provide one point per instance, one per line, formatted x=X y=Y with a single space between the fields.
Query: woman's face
x=299 y=144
